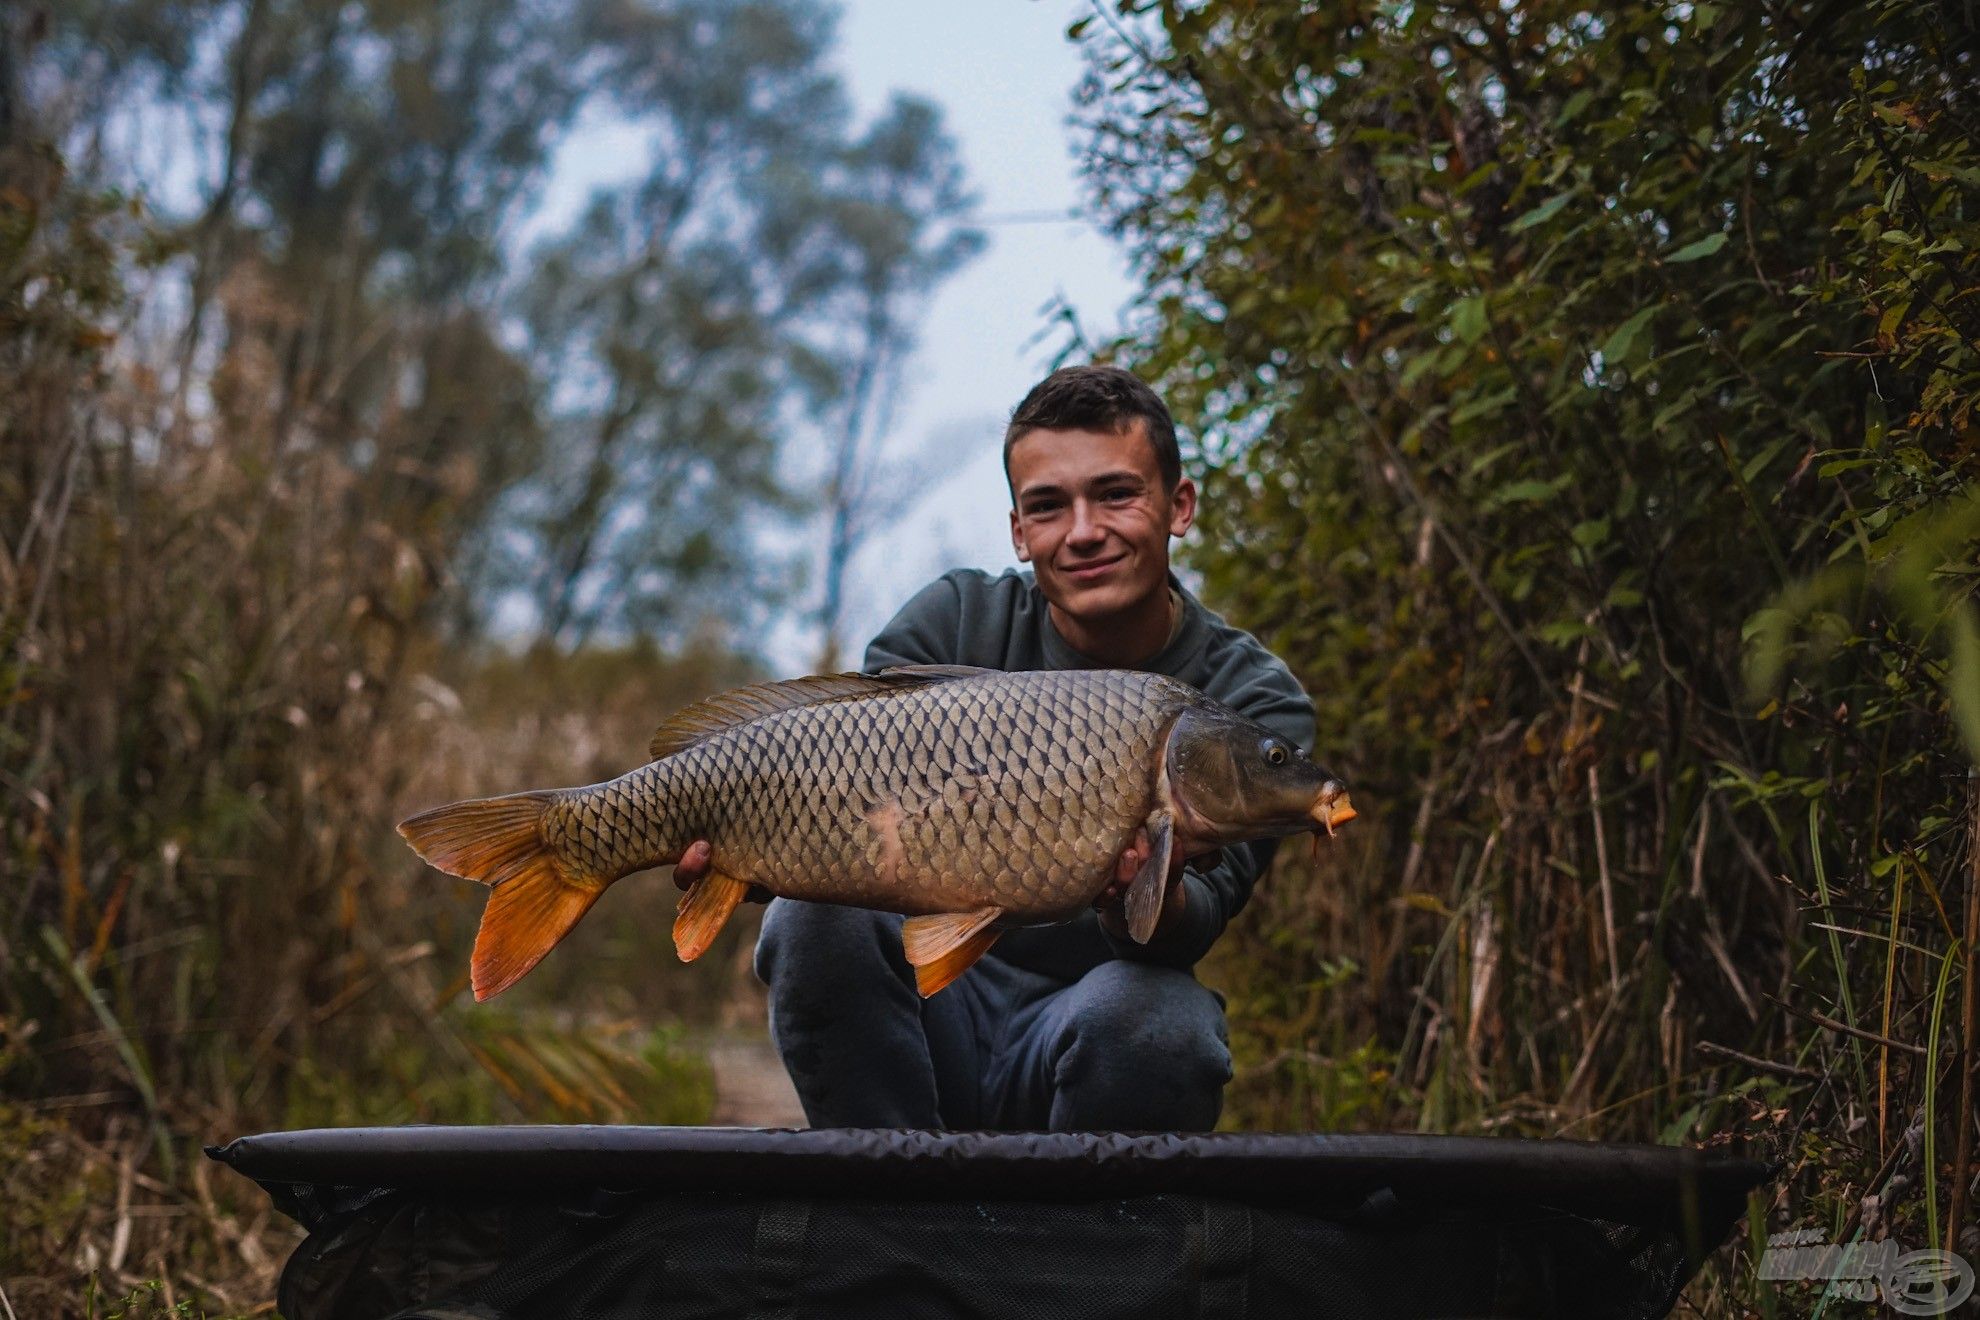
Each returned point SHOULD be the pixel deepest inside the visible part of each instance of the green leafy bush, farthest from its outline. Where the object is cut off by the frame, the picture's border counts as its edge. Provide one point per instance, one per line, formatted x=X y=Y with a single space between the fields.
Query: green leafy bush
x=1584 y=396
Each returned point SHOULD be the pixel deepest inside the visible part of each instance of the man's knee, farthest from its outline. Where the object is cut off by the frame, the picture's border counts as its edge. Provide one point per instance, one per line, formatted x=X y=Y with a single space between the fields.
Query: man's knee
x=1154 y=1012
x=823 y=943
x=1141 y=1047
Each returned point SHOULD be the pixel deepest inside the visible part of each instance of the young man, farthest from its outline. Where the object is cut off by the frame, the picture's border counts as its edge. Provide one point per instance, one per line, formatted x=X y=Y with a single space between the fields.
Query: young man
x=1062 y=1027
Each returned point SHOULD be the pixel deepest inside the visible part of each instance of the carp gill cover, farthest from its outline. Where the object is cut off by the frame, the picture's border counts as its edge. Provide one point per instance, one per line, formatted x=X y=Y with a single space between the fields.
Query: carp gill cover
x=970 y=800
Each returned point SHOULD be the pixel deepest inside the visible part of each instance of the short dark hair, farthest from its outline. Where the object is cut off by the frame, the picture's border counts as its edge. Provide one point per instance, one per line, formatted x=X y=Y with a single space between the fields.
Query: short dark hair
x=1096 y=398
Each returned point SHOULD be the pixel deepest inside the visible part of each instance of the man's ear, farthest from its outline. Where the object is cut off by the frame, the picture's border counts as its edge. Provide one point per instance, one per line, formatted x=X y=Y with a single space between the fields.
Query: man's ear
x=1017 y=539
x=1182 y=507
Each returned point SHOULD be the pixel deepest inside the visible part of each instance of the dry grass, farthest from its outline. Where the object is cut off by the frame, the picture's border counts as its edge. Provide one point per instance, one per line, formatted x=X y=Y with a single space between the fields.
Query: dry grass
x=223 y=677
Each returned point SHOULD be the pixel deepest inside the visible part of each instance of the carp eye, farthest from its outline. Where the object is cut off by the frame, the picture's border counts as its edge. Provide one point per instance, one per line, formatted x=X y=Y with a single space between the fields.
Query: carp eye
x=1275 y=754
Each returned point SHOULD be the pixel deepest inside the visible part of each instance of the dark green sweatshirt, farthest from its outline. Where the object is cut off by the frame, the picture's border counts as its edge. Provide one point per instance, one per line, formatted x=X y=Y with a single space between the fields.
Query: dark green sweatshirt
x=967 y=617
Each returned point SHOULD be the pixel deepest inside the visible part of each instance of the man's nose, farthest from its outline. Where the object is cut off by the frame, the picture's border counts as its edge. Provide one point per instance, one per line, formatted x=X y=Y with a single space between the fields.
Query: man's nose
x=1085 y=528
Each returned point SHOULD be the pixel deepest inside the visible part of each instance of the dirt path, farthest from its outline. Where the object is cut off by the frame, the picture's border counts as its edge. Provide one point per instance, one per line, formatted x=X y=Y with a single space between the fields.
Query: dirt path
x=751 y=1087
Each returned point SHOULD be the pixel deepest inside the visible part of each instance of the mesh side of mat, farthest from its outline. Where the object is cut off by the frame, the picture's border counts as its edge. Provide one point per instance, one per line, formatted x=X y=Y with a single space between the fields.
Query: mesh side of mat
x=646 y=1257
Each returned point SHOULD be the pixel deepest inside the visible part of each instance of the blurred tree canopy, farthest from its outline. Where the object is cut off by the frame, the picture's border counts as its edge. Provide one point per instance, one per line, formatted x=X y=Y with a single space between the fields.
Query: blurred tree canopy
x=595 y=419
x=1550 y=365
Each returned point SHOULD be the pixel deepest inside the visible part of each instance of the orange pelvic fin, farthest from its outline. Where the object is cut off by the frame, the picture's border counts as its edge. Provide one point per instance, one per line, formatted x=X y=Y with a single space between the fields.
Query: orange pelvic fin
x=704 y=909
x=499 y=841
x=943 y=946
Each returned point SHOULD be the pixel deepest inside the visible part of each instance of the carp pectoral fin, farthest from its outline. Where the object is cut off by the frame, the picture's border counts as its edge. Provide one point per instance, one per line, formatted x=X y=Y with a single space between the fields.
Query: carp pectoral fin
x=704 y=909
x=944 y=946
x=1144 y=895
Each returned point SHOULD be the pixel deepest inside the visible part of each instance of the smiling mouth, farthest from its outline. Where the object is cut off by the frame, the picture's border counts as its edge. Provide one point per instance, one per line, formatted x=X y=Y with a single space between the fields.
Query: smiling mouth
x=1093 y=570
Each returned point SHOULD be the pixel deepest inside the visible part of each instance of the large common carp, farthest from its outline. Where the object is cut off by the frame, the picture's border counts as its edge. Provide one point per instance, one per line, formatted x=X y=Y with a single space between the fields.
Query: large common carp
x=969 y=799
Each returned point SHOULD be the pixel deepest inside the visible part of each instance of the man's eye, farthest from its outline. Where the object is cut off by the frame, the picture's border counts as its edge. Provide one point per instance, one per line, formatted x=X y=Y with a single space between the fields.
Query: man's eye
x=1120 y=493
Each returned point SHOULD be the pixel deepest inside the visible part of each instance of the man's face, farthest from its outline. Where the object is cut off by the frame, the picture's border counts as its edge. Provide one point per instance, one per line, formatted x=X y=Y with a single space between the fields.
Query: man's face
x=1092 y=518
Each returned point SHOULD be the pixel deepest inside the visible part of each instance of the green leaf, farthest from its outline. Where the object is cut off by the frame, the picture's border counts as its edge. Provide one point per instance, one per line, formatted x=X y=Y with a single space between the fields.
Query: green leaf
x=1419 y=366
x=1945 y=169
x=1615 y=349
x=1527 y=492
x=1542 y=213
x=1770 y=621
x=1491 y=456
x=1698 y=251
x=1672 y=410
x=1477 y=408
x=1468 y=318
x=1621 y=597
x=1753 y=467
x=1564 y=631
x=1893 y=317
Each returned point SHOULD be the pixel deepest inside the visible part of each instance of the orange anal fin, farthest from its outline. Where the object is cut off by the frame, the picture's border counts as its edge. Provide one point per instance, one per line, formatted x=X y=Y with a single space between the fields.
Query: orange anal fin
x=527 y=914
x=943 y=946
x=704 y=909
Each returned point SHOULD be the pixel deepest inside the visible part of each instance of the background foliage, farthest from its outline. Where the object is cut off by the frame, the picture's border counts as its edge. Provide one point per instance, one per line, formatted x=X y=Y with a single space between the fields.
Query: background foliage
x=340 y=474
x=1586 y=398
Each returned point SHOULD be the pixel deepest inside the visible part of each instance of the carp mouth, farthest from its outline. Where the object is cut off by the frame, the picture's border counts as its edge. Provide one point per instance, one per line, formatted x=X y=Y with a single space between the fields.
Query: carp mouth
x=1330 y=809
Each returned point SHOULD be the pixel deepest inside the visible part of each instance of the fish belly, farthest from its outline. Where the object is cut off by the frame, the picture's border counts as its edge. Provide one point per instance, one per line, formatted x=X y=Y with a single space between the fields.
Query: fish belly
x=1012 y=791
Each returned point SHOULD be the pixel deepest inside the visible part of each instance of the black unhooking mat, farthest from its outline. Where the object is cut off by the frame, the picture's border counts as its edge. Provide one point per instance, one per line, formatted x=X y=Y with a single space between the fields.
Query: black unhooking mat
x=499 y=1222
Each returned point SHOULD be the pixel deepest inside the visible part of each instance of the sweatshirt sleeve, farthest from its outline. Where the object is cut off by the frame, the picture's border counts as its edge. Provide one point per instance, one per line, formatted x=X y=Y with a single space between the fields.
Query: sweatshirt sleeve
x=926 y=631
x=1220 y=885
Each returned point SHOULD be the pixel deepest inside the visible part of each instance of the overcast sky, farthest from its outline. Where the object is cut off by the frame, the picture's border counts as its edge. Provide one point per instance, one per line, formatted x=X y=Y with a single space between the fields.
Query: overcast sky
x=1003 y=73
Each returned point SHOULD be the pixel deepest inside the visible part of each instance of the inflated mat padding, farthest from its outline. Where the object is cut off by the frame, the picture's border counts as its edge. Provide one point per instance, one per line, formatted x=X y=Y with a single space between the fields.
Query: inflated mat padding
x=707 y=1222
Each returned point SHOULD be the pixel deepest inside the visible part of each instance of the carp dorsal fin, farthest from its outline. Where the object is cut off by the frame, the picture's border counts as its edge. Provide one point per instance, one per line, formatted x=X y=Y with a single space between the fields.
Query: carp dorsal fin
x=937 y=673
x=725 y=710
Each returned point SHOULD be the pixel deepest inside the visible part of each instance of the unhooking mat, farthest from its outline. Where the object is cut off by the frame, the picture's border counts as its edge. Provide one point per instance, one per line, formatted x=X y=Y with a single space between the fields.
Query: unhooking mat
x=635 y=1223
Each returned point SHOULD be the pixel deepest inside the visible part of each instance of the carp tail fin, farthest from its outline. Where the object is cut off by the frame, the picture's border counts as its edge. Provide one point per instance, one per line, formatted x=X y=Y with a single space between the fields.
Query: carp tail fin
x=487 y=839
x=535 y=901
x=525 y=918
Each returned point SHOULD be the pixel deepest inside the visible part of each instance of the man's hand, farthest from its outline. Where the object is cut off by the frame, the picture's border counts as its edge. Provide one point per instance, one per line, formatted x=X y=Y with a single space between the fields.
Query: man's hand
x=699 y=860
x=694 y=863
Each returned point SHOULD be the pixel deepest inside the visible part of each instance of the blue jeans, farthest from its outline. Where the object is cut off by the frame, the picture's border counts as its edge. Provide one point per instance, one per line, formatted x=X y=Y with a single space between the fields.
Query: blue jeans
x=1128 y=1047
